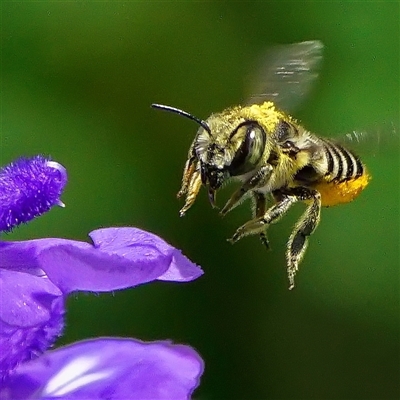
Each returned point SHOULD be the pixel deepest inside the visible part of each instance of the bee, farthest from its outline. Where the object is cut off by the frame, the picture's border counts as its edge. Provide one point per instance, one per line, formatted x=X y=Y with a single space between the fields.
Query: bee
x=276 y=160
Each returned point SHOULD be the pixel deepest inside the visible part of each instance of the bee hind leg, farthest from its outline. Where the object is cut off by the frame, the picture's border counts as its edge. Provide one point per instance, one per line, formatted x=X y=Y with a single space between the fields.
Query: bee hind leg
x=306 y=225
x=298 y=240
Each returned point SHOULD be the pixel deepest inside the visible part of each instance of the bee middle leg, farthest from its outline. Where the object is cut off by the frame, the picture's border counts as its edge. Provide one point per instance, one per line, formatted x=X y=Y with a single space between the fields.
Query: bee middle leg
x=272 y=215
x=258 y=180
x=260 y=201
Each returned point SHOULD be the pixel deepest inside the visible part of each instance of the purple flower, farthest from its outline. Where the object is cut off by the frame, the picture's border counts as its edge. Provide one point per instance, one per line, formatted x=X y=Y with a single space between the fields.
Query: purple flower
x=36 y=276
x=109 y=368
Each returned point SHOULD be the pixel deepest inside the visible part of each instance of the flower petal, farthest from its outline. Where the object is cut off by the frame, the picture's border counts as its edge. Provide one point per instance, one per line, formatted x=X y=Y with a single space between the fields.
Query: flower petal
x=26 y=299
x=73 y=267
x=119 y=258
x=181 y=269
x=109 y=368
x=22 y=256
x=31 y=317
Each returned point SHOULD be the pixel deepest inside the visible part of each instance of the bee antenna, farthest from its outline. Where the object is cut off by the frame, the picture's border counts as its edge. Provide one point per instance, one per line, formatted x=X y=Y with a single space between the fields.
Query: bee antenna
x=201 y=122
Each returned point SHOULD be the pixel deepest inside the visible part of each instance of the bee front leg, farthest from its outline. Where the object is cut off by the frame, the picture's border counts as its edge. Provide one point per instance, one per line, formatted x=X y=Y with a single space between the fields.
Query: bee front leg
x=297 y=243
x=258 y=180
x=191 y=184
x=190 y=167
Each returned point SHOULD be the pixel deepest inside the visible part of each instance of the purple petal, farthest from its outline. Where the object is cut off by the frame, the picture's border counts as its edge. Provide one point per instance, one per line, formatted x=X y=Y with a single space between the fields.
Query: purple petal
x=181 y=269
x=22 y=256
x=28 y=188
x=31 y=317
x=113 y=369
x=119 y=258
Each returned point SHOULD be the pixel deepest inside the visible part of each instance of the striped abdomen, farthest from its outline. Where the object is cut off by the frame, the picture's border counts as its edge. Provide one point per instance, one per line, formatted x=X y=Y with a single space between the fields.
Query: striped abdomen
x=345 y=175
x=342 y=164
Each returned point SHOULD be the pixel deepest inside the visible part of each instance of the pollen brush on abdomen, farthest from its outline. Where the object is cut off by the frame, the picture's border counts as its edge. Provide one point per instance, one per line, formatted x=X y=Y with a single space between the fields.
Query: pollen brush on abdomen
x=345 y=178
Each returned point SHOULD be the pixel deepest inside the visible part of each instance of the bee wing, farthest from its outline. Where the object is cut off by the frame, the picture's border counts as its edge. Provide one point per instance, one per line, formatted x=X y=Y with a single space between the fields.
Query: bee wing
x=286 y=74
x=383 y=140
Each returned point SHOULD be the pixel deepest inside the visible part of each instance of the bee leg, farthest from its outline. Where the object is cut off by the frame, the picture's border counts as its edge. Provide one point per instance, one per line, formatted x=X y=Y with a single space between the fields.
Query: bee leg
x=258 y=180
x=260 y=202
x=274 y=214
x=297 y=243
x=192 y=190
x=190 y=168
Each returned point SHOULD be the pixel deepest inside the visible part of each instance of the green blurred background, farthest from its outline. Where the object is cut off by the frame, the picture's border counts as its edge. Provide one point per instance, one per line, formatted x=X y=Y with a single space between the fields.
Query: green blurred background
x=78 y=79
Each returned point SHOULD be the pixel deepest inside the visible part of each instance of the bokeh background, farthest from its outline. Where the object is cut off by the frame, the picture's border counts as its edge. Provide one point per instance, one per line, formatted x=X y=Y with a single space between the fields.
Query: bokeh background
x=78 y=79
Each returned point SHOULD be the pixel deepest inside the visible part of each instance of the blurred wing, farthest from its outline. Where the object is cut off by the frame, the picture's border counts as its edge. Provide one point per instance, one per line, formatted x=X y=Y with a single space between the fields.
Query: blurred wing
x=384 y=140
x=286 y=74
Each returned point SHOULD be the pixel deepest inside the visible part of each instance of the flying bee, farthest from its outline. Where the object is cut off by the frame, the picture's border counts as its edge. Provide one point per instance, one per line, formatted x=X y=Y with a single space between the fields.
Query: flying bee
x=272 y=155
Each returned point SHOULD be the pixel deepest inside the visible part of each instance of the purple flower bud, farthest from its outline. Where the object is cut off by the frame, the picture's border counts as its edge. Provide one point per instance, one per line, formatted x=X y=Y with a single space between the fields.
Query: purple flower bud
x=29 y=187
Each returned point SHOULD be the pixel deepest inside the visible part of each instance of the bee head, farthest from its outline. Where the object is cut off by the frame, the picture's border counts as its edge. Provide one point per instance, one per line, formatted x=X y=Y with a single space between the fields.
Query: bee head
x=225 y=147
x=230 y=150
x=213 y=175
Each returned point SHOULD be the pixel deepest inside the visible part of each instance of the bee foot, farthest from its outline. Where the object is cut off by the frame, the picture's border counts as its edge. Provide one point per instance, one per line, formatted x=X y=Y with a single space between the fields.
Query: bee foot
x=292 y=269
x=222 y=213
x=232 y=240
x=237 y=236
x=265 y=242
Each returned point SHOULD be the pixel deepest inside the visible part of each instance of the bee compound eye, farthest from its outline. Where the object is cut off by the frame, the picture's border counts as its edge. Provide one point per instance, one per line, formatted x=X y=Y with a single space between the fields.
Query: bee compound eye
x=250 y=150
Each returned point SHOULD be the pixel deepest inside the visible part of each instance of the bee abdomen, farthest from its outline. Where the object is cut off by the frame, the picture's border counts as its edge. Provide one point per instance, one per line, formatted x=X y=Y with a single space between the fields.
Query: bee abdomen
x=342 y=164
x=345 y=177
